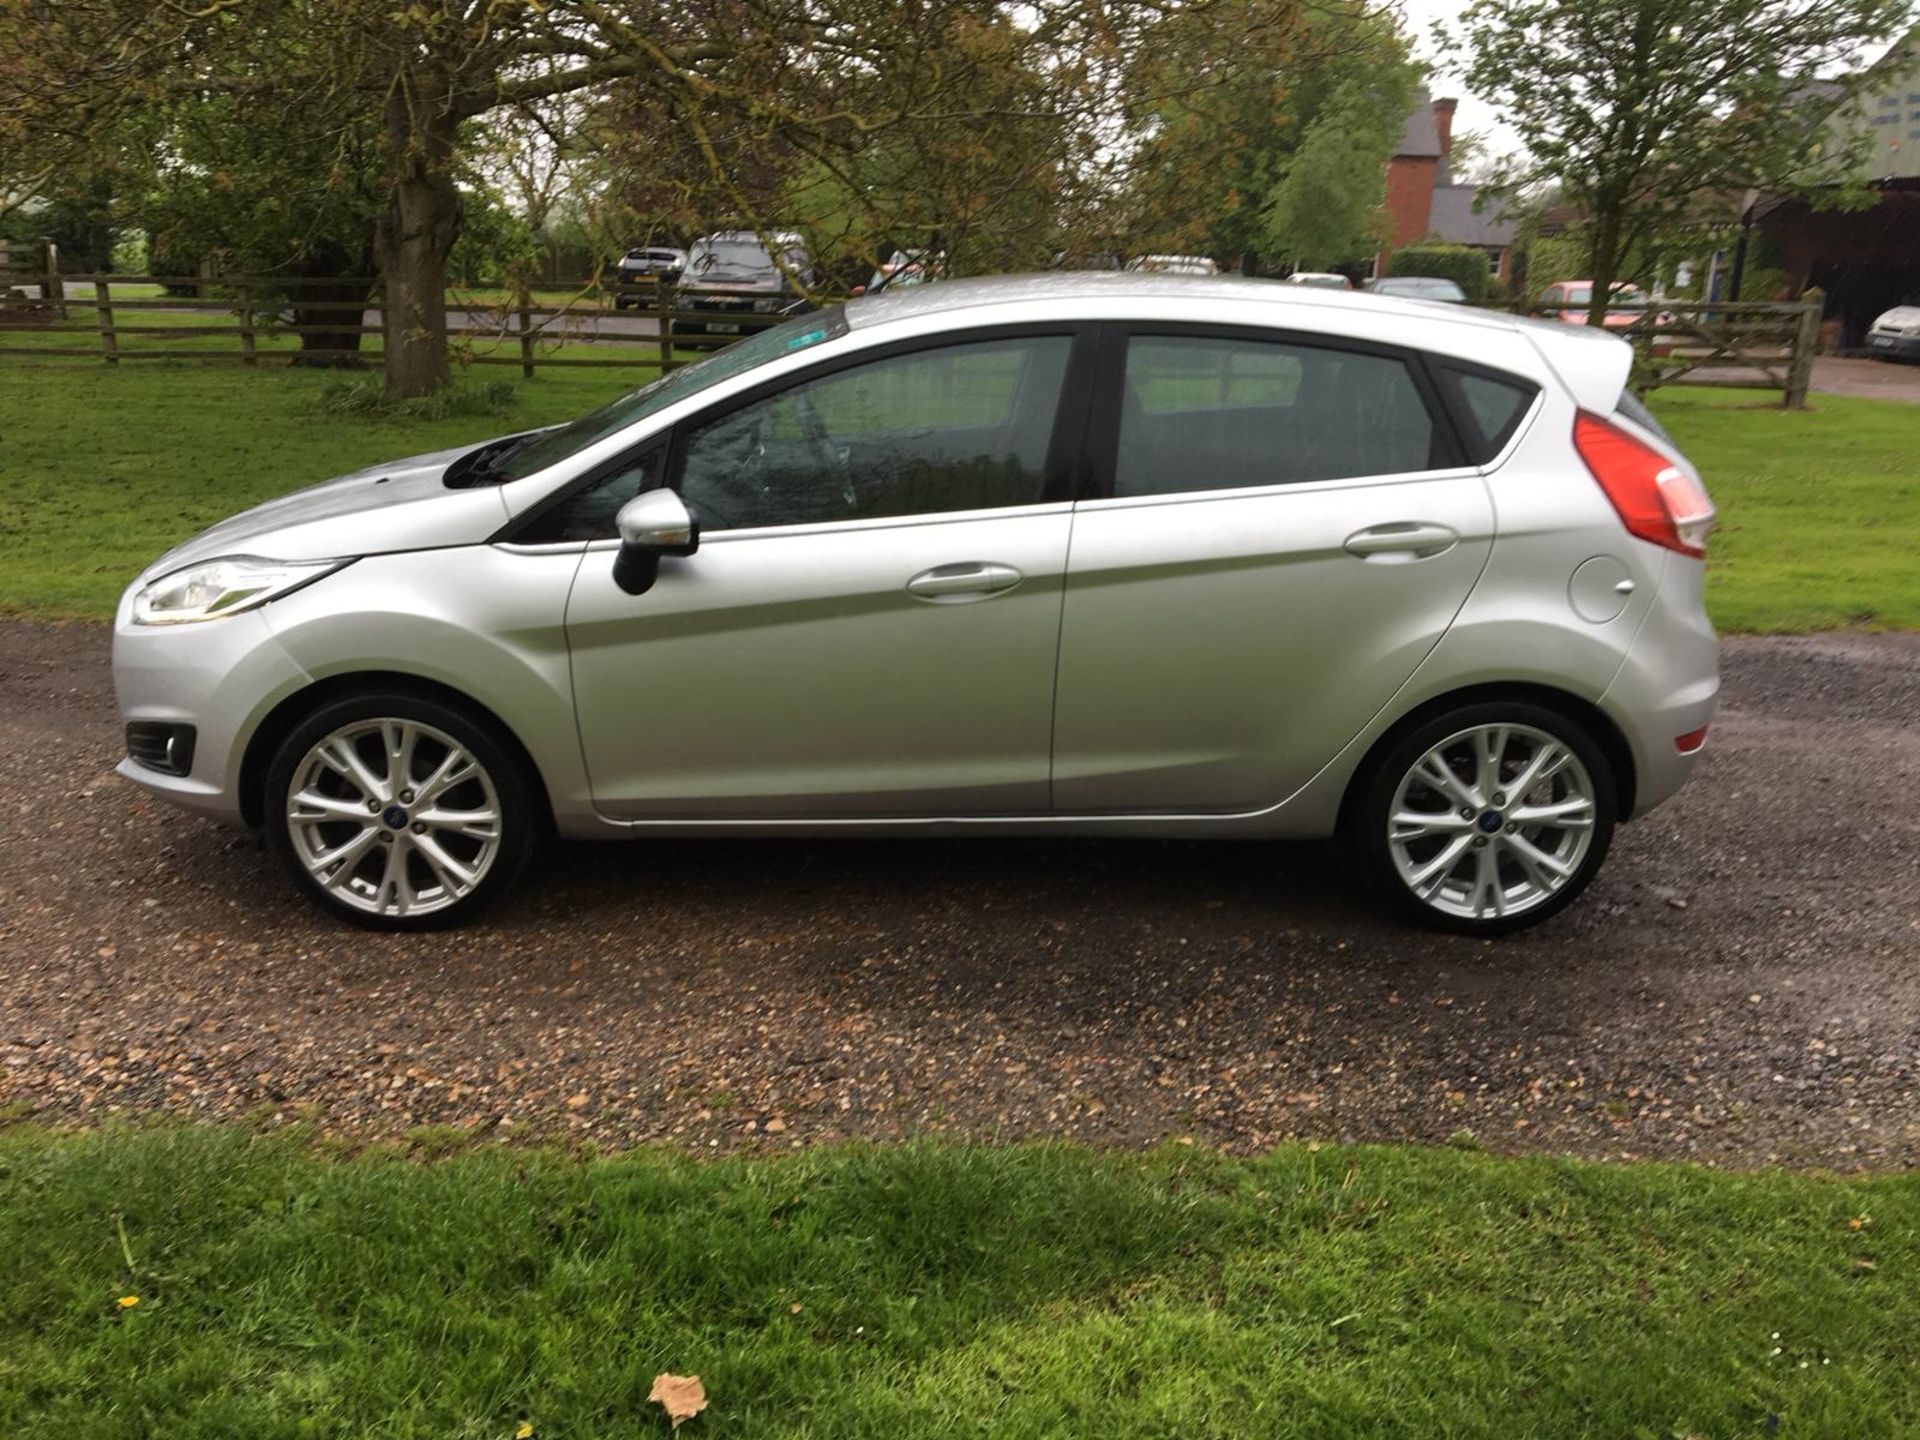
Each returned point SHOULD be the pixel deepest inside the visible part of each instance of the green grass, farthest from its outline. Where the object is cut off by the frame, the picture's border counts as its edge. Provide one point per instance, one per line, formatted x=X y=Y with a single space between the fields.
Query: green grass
x=105 y=468
x=1819 y=509
x=934 y=1290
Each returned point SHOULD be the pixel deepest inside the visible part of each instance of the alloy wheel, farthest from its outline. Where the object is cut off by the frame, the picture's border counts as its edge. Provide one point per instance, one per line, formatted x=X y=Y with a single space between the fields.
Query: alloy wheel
x=393 y=817
x=1492 y=822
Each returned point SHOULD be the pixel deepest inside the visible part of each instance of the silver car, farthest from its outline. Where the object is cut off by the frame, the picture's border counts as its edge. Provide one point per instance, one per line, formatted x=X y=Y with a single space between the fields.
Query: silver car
x=1094 y=554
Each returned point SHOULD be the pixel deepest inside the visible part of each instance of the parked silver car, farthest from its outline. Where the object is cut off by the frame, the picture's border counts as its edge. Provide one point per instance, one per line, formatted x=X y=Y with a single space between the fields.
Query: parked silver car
x=1101 y=554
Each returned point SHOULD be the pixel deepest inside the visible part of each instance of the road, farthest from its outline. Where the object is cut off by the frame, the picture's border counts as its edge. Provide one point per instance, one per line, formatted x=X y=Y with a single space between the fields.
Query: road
x=1742 y=984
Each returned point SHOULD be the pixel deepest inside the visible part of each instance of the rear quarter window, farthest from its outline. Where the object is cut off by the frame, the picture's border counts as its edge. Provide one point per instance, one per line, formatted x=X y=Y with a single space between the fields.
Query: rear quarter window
x=1488 y=405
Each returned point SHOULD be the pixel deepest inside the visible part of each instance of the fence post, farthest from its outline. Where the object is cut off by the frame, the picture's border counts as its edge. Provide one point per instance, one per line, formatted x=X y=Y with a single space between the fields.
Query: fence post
x=103 y=316
x=246 y=326
x=1806 y=340
x=663 y=307
x=51 y=290
x=525 y=304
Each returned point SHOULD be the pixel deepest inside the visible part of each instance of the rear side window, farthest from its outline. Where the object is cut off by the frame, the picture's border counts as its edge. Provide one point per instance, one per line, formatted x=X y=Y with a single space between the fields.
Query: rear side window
x=1489 y=406
x=1222 y=413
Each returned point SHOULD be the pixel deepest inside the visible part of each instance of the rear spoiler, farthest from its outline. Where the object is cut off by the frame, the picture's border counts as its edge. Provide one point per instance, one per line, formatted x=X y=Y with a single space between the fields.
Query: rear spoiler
x=1592 y=364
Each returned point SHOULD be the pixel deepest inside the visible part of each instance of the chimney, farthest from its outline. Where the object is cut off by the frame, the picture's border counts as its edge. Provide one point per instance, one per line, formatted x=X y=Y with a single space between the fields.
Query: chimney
x=1443 y=122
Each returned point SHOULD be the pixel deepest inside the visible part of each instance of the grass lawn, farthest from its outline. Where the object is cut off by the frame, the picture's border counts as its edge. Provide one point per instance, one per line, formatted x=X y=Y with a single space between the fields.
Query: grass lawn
x=1819 y=510
x=935 y=1290
x=105 y=468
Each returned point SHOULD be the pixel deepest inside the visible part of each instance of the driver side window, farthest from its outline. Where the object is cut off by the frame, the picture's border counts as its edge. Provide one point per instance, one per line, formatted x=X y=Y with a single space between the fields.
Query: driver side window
x=962 y=427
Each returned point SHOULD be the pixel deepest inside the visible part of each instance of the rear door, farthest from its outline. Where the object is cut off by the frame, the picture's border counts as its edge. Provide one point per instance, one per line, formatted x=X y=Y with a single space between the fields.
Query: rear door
x=1280 y=531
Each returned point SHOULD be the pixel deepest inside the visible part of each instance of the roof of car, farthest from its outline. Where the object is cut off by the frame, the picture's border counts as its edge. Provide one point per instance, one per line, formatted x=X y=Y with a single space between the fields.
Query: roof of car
x=1109 y=285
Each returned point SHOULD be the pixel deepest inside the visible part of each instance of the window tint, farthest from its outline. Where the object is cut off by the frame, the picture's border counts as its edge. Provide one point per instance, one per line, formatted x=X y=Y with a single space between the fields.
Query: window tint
x=964 y=427
x=1490 y=407
x=588 y=514
x=1206 y=413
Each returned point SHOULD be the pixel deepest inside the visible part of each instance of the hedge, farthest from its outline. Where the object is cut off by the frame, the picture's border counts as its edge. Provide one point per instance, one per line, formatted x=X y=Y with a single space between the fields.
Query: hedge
x=1462 y=264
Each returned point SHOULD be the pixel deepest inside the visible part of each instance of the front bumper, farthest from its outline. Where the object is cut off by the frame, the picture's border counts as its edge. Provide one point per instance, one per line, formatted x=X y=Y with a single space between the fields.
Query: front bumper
x=222 y=677
x=1893 y=347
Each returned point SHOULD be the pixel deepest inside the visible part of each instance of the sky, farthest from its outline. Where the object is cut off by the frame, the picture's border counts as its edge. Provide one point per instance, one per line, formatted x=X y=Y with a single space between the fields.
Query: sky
x=1473 y=114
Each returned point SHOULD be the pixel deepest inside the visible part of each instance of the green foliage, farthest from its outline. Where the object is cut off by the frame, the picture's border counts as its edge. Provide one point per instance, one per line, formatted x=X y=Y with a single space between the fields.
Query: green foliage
x=1326 y=206
x=1462 y=264
x=369 y=399
x=1280 y=157
x=1653 y=116
x=939 y=1289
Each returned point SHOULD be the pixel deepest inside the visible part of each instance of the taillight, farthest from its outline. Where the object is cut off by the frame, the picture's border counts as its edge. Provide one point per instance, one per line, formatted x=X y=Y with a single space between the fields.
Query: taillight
x=1655 y=498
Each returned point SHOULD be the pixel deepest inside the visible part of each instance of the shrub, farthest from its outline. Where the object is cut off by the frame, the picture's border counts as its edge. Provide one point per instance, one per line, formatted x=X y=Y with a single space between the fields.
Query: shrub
x=369 y=398
x=1462 y=264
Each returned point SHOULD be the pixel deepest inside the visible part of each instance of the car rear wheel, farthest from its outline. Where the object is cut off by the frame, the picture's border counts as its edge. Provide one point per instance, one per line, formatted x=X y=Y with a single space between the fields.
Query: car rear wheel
x=1488 y=818
x=399 y=812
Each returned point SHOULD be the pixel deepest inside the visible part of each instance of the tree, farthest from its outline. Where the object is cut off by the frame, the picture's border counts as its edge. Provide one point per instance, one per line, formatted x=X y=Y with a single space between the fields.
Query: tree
x=826 y=78
x=1326 y=205
x=1294 y=115
x=1638 y=109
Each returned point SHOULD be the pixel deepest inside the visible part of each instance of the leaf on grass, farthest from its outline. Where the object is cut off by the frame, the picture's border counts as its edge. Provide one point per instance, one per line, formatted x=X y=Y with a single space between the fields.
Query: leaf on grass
x=682 y=1396
x=127 y=1302
x=525 y=1431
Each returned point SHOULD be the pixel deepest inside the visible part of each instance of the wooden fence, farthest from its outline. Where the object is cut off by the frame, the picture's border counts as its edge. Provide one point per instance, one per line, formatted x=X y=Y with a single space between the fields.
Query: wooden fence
x=1744 y=345
x=247 y=319
x=244 y=318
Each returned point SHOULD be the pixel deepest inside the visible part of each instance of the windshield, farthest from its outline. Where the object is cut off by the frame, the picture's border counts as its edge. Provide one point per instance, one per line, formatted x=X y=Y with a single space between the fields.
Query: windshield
x=553 y=446
x=736 y=256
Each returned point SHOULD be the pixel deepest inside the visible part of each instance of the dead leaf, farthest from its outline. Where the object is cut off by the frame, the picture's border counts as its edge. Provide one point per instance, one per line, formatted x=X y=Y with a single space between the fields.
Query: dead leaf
x=682 y=1396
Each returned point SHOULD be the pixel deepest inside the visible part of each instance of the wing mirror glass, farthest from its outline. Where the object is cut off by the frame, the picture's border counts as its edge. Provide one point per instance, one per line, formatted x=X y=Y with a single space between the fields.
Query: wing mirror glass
x=652 y=525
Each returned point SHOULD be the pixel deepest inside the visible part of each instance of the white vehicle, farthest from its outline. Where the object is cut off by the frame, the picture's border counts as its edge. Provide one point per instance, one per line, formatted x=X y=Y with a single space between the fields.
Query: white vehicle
x=1896 y=334
x=1325 y=279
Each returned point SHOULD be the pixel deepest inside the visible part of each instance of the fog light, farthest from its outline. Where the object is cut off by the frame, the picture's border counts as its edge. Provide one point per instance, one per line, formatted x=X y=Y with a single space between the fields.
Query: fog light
x=161 y=746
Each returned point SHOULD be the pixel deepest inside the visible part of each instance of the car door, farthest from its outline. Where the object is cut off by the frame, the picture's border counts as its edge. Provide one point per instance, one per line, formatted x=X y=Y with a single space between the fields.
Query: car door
x=1279 y=534
x=870 y=624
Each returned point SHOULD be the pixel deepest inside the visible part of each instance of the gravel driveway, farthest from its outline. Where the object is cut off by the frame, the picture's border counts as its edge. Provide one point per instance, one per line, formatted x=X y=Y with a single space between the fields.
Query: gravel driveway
x=1741 y=985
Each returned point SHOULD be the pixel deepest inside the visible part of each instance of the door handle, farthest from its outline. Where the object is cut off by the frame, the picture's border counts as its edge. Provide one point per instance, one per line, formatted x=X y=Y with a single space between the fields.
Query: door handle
x=1402 y=540
x=967 y=580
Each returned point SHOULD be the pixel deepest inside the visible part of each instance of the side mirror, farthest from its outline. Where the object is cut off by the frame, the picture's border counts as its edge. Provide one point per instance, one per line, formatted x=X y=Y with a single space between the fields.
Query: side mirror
x=651 y=525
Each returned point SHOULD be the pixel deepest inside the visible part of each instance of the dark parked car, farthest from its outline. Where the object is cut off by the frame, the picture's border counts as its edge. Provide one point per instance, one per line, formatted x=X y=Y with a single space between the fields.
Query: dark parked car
x=642 y=270
x=732 y=275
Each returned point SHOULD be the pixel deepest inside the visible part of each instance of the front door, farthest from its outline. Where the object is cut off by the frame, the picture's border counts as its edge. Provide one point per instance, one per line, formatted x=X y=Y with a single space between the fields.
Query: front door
x=869 y=626
x=1281 y=537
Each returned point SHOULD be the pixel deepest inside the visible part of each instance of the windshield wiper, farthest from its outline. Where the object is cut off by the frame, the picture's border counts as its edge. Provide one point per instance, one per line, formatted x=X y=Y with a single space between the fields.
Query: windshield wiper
x=482 y=466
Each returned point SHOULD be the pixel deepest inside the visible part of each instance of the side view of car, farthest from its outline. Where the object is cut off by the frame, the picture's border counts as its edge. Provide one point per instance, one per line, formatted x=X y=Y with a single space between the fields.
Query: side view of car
x=1895 y=334
x=1093 y=554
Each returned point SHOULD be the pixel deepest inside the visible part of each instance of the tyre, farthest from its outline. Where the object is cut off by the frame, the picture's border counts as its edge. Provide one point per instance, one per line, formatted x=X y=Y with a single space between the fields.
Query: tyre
x=400 y=812
x=1485 y=819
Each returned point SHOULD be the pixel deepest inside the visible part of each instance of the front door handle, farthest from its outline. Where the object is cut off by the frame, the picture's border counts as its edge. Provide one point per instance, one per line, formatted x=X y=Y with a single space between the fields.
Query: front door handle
x=967 y=580
x=1402 y=540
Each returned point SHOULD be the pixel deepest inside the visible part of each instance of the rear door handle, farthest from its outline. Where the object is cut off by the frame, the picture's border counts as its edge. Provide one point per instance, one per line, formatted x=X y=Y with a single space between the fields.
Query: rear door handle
x=967 y=580
x=1402 y=540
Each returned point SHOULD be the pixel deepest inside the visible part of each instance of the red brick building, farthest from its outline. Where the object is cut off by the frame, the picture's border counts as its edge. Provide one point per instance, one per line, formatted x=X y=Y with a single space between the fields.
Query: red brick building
x=1424 y=203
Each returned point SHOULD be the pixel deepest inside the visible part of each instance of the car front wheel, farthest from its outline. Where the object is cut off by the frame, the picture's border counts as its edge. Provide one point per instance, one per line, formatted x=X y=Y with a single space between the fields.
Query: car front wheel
x=1488 y=818
x=399 y=812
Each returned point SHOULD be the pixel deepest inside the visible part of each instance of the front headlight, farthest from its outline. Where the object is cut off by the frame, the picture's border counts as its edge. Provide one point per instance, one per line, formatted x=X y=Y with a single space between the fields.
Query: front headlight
x=213 y=588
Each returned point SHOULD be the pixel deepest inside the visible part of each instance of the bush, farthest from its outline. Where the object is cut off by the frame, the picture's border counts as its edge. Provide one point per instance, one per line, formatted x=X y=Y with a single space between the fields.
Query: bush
x=1462 y=264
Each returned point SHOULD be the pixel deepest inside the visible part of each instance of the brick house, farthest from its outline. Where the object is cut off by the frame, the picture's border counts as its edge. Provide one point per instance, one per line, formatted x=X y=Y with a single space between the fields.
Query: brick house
x=1424 y=202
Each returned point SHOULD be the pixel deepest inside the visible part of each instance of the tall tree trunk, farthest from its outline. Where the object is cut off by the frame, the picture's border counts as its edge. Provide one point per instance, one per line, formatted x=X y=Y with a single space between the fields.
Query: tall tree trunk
x=417 y=234
x=1603 y=262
